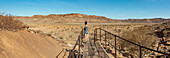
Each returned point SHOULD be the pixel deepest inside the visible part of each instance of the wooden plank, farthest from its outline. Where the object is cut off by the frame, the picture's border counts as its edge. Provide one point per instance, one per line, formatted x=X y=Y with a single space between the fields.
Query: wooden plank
x=102 y=51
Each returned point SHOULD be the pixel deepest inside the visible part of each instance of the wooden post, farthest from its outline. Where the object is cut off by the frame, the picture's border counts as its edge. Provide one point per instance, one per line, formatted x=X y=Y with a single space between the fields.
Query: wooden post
x=83 y=35
x=94 y=36
x=105 y=40
x=140 y=51
x=100 y=35
x=115 y=48
x=79 y=45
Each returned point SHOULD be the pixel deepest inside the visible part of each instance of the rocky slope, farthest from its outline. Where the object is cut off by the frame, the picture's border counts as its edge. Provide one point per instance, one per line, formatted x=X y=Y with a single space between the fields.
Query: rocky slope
x=152 y=36
x=80 y=18
x=156 y=29
x=17 y=42
x=22 y=44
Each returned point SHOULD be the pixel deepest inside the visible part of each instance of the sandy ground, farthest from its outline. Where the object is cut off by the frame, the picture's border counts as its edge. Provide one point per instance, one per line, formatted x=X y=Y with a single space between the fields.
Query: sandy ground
x=23 y=44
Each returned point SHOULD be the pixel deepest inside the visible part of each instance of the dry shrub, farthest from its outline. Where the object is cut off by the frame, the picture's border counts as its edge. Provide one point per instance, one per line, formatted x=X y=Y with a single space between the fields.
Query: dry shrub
x=7 y=23
x=138 y=37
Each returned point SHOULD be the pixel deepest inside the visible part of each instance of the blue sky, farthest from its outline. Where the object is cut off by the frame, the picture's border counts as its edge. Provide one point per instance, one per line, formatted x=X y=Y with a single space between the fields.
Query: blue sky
x=115 y=9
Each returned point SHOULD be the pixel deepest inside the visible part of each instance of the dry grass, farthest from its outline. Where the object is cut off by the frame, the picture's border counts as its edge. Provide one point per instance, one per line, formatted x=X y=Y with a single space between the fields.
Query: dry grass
x=7 y=23
x=69 y=32
x=139 y=37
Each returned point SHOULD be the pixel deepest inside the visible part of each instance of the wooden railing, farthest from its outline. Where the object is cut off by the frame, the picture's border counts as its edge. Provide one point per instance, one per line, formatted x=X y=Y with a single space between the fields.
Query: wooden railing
x=79 y=43
x=60 y=53
x=96 y=35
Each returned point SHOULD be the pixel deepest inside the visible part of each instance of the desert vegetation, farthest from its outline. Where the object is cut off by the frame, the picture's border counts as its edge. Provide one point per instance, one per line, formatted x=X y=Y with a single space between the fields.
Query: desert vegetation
x=8 y=23
x=65 y=32
x=146 y=35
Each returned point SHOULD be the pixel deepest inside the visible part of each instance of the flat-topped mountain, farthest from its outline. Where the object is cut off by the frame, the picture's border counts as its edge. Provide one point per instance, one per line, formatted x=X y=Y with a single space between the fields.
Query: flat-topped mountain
x=66 y=18
x=80 y=18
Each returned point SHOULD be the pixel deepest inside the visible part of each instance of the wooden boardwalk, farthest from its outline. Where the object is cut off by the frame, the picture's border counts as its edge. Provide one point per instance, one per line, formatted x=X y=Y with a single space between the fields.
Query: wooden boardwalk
x=94 y=50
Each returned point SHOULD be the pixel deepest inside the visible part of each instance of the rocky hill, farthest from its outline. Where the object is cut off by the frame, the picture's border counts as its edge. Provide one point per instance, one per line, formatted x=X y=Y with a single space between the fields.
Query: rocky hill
x=16 y=41
x=80 y=18
x=66 y=18
x=153 y=20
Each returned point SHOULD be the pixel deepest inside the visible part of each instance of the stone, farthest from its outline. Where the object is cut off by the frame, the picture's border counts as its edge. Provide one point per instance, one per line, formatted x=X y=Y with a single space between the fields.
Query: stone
x=69 y=45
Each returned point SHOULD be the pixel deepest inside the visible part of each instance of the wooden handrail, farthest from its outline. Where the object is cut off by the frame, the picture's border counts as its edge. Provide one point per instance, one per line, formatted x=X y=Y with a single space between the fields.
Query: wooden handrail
x=140 y=46
x=80 y=41
x=60 y=53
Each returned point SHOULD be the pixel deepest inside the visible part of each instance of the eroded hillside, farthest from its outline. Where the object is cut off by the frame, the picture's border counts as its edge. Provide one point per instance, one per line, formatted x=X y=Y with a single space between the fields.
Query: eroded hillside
x=17 y=42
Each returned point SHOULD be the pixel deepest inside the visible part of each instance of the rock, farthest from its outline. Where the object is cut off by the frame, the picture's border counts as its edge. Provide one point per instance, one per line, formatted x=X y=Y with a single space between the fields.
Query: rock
x=63 y=40
x=31 y=31
x=58 y=39
x=69 y=45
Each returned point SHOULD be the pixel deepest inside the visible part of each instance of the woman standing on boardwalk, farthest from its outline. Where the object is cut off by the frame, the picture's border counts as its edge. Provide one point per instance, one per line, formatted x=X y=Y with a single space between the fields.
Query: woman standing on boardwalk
x=86 y=32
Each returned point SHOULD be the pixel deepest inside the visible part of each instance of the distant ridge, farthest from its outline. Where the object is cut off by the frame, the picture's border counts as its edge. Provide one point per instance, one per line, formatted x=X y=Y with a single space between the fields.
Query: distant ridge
x=80 y=18
x=153 y=20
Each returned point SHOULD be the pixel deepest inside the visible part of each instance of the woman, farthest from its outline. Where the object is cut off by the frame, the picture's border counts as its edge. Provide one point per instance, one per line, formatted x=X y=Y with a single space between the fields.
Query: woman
x=86 y=32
